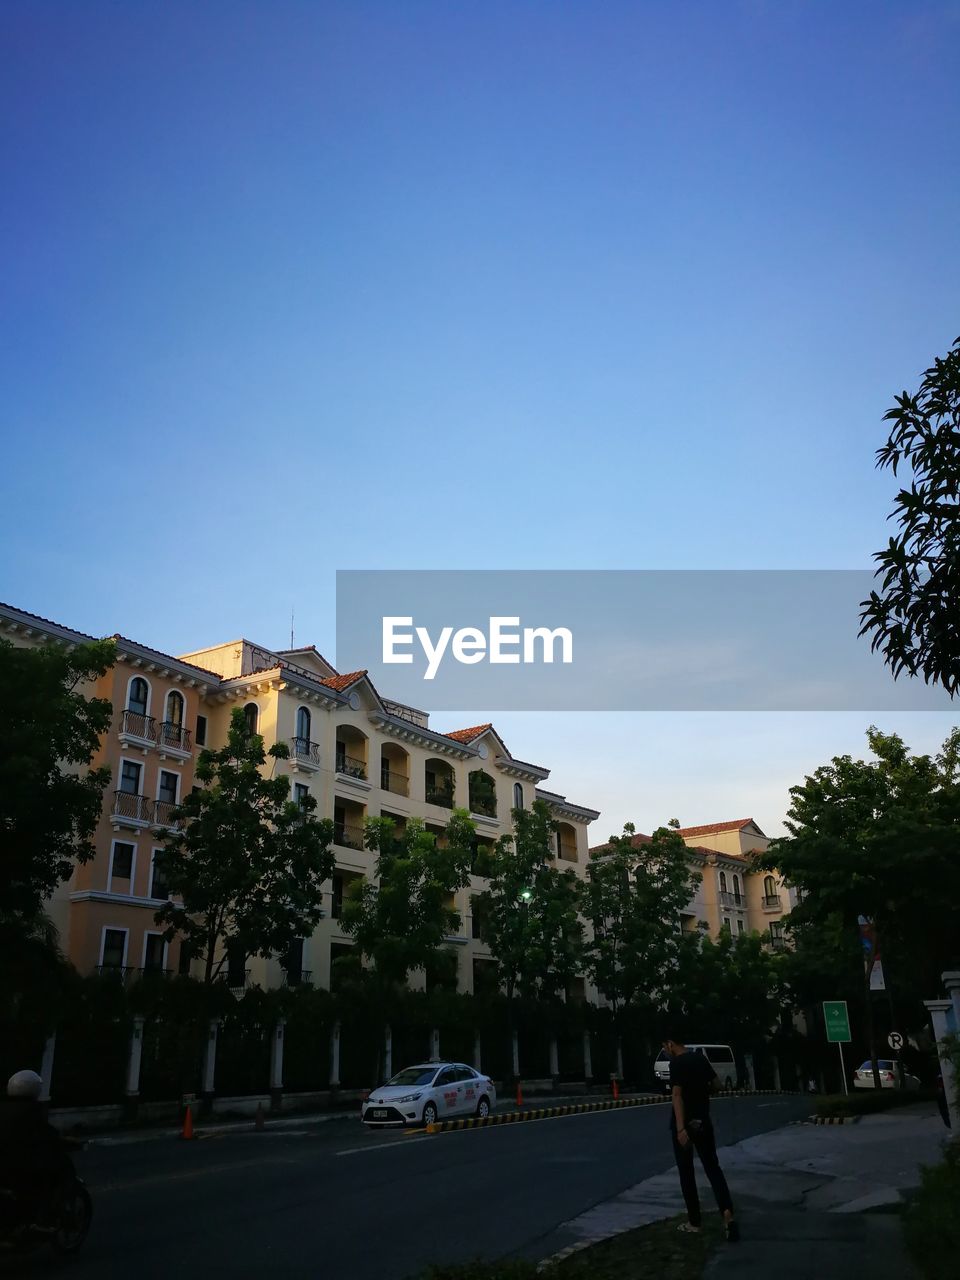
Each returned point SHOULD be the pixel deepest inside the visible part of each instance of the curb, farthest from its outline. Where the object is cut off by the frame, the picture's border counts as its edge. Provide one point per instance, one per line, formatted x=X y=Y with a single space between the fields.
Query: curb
x=575 y=1109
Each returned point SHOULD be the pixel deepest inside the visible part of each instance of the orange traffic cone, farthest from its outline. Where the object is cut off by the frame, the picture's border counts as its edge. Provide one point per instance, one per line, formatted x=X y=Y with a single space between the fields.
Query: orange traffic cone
x=519 y=1094
x=258 y=1120
x=187 y=1122
x=616 y=1089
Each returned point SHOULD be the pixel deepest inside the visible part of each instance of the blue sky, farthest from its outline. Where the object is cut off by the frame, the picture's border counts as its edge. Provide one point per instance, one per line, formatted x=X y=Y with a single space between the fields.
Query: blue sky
x=295 y=287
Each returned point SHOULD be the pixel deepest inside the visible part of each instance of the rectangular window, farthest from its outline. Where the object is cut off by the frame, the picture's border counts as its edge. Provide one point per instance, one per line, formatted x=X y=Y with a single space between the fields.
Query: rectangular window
x=725 y=922
x=236 y=965
x=130 y=777
x=158 y=884
x=201 y=734
x=476 y=912
x=300 y=793
x=114 y=947
x=336 y=907
x=739 y=926
x=293 y=962
x=168 y=787
x=154 y=951
x=183 y=967
x=122 y=868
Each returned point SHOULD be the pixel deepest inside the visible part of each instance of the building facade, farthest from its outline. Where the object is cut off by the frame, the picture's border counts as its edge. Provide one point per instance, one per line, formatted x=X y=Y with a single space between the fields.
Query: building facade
x=356 y=753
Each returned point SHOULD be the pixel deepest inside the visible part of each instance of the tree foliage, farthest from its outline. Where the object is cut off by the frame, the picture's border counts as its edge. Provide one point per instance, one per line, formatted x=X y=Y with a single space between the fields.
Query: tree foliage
x=729 y=989
x=878 y=838
x=399 y=924
x=530 y=911
x=247 y=864
x=50 y=799
x=913 y=618
x=636 y=889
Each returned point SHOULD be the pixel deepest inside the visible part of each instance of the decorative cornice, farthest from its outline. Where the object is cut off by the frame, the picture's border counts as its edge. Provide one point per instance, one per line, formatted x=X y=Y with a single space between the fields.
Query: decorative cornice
x=406 y=731
x=520 y=769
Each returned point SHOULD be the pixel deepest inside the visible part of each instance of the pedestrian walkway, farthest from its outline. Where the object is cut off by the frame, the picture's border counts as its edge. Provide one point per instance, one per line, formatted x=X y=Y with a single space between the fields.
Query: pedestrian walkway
x=810 y=1199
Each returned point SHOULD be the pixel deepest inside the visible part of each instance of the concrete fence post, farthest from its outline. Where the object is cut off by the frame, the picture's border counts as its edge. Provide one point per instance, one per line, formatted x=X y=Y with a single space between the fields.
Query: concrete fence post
x=587 y=1058
x=776 y=1072
x=554 y=1059
x=135 y=1057
x=388 y=1052
x=619 y=1058
x=435 y=1045
x=335 y=1056
x=210 y=1062
x=941 y=1015
x=515 y=1050
x=751 y=1072
x=477 y=1058
x=46 y=1065
x=276 y=1065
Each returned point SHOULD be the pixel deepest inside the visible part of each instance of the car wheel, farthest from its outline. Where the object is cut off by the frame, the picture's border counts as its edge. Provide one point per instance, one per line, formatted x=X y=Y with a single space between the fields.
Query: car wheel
x=483 y=1108
x=430 y=1113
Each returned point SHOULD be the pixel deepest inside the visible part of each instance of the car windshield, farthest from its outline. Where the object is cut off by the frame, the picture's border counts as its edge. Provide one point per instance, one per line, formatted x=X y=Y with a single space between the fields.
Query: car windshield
x=662 y=1056
x=415 y=1075
x=883 y=1065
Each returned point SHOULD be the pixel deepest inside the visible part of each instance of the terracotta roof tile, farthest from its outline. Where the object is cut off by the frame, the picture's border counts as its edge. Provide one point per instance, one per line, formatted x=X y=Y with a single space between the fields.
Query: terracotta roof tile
x=468 y=735
x=714 y=828
x=343 y=682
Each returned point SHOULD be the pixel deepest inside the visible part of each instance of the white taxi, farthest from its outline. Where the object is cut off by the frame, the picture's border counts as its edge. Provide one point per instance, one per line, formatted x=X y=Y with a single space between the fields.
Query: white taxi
x=428 y=1092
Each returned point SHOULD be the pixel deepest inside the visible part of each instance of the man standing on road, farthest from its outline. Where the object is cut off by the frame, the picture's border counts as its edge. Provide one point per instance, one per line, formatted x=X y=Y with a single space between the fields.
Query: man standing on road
x=692 y=1080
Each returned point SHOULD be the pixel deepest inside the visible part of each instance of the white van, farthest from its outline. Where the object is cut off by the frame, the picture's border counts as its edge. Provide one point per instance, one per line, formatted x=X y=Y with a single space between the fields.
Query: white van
x=720 y=1057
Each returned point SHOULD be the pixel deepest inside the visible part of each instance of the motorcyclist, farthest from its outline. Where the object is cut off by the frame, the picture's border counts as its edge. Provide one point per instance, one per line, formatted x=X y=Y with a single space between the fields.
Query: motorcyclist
x=33 y=1156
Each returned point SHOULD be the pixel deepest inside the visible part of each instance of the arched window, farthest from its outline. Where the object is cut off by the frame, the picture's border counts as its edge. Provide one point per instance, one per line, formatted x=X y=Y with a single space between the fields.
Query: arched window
x=723 y=882
x=736 y=887
x=138 y=696
x=769 y=887
x=251 y=715
x=303 y=724
x=175 y=706
x=517 y=796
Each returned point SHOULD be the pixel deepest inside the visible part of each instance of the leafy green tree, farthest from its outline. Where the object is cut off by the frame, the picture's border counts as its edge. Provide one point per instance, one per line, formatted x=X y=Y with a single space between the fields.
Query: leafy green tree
x=50 y=798
x=636 y=889
x=530 y=912
x=913 y=617
x=246 y=864
x=399 y=924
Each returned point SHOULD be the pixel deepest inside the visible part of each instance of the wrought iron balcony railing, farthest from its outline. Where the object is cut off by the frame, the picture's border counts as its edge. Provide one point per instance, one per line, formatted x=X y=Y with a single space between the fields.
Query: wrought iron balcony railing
x=347 y=835
x=136 y=808
x=163 y=814
x=731 y=899
x=398 y=783
x=136 y=725
x=174 y=736
x=351 y=766
x=305 y=752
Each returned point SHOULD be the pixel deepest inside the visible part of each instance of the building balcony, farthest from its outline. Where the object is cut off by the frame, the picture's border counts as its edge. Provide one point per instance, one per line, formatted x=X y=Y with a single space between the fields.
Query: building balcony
x=351 y=767
x=137 y=730
x=174 y=740
x=347 y=835
x=163 y=814
x=771 y=902
x=443 y=796
x=735 y=900
x=398 y=783
x=131 y=810
x=298 y=978
x=304 y=755
x=118 y=972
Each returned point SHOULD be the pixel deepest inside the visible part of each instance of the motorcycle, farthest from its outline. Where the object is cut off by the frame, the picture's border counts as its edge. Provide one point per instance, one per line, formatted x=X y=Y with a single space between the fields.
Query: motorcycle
x=62 y=1220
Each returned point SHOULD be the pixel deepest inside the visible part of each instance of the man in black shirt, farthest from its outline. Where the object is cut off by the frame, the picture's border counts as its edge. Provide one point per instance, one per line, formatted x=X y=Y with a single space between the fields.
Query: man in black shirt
x=692 y=1080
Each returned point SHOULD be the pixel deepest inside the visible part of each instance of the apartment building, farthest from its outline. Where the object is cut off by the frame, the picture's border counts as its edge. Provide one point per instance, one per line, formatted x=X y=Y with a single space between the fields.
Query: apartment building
x=730 y=893
x=357 y=753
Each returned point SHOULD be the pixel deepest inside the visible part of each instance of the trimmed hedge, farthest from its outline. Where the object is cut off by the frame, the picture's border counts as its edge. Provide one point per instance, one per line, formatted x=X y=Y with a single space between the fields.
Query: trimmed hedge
x=931 y=1223
x=865 y=1102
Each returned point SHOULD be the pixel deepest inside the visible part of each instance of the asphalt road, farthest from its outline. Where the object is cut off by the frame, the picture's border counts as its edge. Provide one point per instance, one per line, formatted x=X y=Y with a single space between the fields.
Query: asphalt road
x=336 y=1200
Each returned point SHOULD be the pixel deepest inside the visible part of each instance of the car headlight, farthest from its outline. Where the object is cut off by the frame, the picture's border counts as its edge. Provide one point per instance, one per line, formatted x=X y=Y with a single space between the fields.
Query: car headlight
x=408 y=1097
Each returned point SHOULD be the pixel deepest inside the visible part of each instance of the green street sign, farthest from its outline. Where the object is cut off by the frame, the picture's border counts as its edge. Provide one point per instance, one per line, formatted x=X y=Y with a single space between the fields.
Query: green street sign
x=838 y=1023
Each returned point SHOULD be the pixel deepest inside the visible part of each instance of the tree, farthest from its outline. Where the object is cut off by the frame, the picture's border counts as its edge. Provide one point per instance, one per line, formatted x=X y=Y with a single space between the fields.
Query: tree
x=877 y=839
x=245 y=864
x=530 y=912
x=636 y=889
x=913 y=618
x=400 y=923
x=50 y=798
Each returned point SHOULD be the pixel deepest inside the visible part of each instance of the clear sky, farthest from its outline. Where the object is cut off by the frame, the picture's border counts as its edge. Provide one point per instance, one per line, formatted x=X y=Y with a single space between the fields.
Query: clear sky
x=293 y=287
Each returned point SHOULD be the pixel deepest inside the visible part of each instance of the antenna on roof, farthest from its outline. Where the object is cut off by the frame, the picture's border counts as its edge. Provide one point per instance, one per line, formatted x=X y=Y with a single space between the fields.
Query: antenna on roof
x=291 y=626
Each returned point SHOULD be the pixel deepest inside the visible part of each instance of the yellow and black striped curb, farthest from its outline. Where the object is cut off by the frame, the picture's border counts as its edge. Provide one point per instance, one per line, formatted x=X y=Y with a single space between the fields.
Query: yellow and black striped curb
x=573 y=1109
x=835 y=1119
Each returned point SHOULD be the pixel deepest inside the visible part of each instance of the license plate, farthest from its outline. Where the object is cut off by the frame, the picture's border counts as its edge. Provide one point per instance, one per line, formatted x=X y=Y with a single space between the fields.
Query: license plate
x=380 y=1114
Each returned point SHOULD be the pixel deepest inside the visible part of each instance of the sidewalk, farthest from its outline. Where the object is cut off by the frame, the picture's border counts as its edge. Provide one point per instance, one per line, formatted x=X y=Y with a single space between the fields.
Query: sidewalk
x=810 y=1199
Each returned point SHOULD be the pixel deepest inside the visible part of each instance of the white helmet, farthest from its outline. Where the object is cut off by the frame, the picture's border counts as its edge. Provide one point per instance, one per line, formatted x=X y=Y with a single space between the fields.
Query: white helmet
x=25 y=1084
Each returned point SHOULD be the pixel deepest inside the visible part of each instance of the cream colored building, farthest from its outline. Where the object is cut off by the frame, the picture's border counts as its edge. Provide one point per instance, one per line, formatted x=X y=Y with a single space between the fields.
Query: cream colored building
x=357 y=753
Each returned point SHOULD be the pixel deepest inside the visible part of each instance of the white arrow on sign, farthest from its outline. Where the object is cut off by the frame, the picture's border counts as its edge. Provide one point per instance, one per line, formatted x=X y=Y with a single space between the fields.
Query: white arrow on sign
x=895 y=1040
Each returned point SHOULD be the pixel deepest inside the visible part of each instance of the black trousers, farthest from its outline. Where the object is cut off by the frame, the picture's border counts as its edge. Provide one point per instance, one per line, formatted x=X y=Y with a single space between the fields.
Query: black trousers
x=702 y=1141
